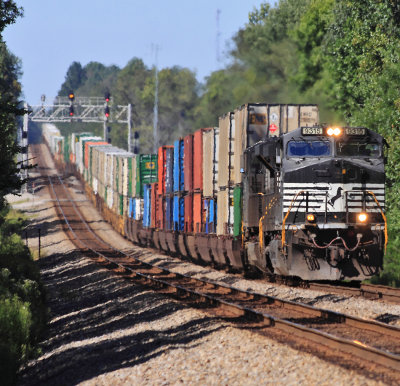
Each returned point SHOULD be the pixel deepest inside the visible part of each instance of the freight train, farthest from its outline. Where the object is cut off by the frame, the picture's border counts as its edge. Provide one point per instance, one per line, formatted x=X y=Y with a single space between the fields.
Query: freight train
x=269 y=189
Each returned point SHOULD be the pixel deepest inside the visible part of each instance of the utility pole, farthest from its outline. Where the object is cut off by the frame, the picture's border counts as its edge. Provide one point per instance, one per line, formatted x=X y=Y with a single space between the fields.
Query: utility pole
x=155 y=119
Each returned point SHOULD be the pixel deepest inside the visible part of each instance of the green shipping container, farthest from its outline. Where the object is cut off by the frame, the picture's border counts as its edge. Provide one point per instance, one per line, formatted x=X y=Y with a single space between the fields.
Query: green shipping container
x=237 y=211
x=146 y=171
x=130 y=177
x=121 y=204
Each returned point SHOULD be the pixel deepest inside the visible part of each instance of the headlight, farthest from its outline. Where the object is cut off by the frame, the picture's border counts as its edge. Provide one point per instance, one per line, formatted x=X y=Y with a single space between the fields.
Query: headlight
x=310 y=217
x=334 y=131
x=362 y=217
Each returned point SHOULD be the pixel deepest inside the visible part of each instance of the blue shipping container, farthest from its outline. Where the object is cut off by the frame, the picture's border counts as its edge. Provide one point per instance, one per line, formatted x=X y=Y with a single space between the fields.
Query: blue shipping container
x=179 y=181
x=169 y=172
x=212 y=216
x=131 y=208
x=147 y=205
x=169 y=203
x=179 y=213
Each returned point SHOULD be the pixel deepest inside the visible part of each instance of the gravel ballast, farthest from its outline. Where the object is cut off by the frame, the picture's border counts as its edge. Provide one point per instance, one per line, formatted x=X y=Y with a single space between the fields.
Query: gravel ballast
x=106 y=330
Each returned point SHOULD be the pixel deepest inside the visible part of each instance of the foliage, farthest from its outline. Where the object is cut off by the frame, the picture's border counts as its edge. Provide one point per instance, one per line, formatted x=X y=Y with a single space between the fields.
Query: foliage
x=23 y=313
x=343 y=55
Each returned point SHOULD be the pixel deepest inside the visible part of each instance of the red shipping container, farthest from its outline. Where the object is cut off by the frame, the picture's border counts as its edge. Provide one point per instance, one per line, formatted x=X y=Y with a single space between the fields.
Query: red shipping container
x=188 y=162
x=154 y=205
x=160 y=212
x=162 y=168
x=188 y=213
x=198 y=160
x=197 y=211
x=87 y=144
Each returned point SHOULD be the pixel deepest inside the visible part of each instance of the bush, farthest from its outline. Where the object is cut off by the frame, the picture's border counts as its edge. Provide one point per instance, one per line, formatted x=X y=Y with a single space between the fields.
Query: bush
x=15 y=324
x=23 y=312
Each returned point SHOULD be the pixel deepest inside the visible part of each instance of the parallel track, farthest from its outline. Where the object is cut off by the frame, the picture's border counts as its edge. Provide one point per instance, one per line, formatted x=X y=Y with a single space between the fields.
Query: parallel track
x=372 y=342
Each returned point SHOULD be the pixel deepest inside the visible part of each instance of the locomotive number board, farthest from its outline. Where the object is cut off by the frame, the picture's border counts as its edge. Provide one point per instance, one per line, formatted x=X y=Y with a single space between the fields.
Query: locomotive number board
x=312 y=131
x=360 y=131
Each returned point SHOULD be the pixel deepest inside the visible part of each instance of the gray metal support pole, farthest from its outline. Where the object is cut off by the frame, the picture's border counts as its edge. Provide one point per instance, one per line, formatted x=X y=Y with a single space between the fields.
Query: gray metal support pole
x=105 y=126
x=25 y=144
x=129 y=119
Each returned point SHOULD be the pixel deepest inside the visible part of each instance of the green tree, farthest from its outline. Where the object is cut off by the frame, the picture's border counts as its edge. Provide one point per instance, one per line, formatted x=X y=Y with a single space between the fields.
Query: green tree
x=75 y=78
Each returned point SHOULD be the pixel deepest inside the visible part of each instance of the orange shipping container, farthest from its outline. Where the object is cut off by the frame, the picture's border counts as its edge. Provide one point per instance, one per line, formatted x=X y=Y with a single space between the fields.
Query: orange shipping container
x=188 y=213
x=154 y=205
x=198 y=159
x=197 y=211
x=160 y=212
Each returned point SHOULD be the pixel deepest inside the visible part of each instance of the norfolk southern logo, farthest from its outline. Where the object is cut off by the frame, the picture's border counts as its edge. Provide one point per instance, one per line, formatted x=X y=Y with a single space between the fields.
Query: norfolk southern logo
x=338 y=194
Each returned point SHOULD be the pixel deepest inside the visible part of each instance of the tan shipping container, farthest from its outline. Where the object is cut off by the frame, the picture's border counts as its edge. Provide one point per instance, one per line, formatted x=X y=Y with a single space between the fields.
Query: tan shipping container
x=257 y=121
x=208 y=163
x=225 y=212
x=226 y=125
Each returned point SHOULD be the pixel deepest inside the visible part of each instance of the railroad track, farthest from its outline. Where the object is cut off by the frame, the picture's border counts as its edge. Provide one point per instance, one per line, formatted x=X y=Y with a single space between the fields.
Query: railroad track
x=372 y=343
x=367 y=291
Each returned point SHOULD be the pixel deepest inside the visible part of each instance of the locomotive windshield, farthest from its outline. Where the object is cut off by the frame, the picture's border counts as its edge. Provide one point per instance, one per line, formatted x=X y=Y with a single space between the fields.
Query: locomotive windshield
x=358 y=148
x=308 y=149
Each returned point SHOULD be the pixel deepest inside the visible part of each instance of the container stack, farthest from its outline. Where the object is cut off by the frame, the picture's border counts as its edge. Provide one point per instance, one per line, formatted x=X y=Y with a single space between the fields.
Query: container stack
x=164 y=187
x=225 y=181
x=178 y=206
x=188 y=182
x=210 y=178
x=144 y=175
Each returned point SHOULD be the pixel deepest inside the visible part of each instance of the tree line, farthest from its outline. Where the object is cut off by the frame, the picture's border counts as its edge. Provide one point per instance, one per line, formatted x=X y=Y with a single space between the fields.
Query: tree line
x=343 y=55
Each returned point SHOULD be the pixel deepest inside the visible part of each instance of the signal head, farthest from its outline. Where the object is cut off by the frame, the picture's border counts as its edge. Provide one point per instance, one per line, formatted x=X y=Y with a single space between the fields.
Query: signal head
x=71 y=111
x=71 y=96
x=107 y=96
x=107 y=111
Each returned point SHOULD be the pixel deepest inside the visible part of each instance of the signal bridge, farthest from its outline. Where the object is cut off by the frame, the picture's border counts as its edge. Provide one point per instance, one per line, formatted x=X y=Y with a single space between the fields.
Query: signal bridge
x=82 y=109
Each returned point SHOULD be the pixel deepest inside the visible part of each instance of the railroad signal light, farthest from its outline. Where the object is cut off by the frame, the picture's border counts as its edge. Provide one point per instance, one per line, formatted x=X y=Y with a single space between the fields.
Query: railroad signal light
x=71 y=111
x=107 y=111
x=107 y=96
x=71 y=96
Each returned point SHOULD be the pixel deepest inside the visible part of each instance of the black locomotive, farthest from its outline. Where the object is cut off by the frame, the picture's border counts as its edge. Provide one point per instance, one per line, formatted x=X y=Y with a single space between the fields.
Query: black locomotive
x=319 y=195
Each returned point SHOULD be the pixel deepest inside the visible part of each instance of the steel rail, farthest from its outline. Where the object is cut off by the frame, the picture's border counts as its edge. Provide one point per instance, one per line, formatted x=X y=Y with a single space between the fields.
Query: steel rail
x=353 y=347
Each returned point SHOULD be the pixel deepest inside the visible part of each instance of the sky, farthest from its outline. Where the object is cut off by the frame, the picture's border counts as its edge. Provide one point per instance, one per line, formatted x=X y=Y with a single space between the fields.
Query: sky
x=53 y=34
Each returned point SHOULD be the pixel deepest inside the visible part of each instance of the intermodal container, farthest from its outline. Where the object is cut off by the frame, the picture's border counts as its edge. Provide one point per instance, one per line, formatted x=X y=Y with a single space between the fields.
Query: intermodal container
x=160 y=217
x=188 y=213
x=179 y=174
x=178 y=212
x=154 y=205
x=197 y=212
x=237 y=211
x=209 y=218
x=131 y=208
x=132 y=176
x=226 y=128
x=146 y=171
x=169 y=203
x=188 y=162
x=169 y=171
x=146 y=205
x=225 y=213
x=210 y=161
x=88 y=151
x=198 y=159
x=162 y=167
